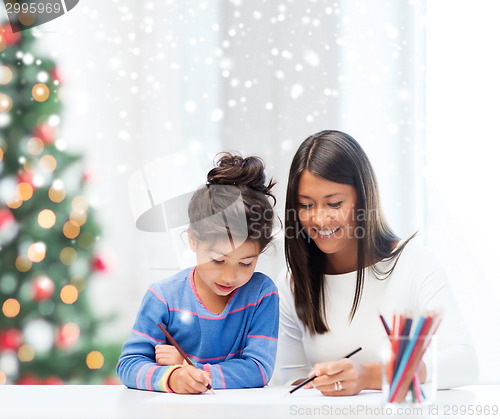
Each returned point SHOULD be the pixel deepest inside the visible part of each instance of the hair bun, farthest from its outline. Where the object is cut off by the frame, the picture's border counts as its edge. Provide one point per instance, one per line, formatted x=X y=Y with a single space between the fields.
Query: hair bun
x=232 y=169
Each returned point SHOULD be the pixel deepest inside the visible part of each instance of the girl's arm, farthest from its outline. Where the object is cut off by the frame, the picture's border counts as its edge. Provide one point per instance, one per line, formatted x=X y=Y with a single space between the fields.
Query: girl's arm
x=255 y=366
x=136 y=366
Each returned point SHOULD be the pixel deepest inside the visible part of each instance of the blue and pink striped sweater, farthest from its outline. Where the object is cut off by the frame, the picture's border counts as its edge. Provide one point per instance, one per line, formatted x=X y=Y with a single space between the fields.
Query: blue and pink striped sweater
x=237 y=346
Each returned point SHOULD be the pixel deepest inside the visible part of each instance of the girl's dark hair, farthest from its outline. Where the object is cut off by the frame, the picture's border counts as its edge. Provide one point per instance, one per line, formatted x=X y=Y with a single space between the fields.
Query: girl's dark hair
x=234 y=203
x=337 y=157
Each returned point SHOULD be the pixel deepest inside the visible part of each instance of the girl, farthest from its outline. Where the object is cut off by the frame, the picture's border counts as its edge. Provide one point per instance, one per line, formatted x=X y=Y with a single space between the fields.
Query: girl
x=221 y=313
x=345 y=265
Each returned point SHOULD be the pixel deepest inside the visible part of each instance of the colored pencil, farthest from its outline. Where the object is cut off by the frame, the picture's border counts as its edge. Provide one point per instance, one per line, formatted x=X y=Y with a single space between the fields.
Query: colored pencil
x=395 y=362
x=303 y=383
x=183 y=354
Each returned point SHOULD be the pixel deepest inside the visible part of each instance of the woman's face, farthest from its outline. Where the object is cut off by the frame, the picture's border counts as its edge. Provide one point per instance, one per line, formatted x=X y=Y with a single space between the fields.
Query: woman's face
x=327 y=213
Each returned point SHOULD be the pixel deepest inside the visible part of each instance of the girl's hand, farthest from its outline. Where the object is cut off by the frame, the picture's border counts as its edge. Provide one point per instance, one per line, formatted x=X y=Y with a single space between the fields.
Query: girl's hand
x=352 y=376
x=189 y=380
x=167 y=355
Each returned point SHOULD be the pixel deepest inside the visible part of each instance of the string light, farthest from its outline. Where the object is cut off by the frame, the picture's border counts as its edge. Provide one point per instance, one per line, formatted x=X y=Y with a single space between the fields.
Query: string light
x=71 y=230
x=67 y=256
x=70 y=333
x=80 y=203
x=35 y=146
x=40 y=92
x=24 y=191
x=5 y=75
x=26 y=18
x=26 y=353
x=11 y=307
x=57 y=192
x=3 y=43
x=86 y=240
x=5 y=102
x=47 y=163
x=78 y=217
x=23 y=264
x=46 y=218
x=14 y=202
x=69 y=294
x=37 y=251
x=95 y=360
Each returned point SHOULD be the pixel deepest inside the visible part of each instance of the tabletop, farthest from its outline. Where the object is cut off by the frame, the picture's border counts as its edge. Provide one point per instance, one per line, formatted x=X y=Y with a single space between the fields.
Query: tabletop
x=119 y=402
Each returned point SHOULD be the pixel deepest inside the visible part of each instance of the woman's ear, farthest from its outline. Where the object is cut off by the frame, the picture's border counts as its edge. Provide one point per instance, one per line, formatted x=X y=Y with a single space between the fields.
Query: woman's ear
x=193 y=244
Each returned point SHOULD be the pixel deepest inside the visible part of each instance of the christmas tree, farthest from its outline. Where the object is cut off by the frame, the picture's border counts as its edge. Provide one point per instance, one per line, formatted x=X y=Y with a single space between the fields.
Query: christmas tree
x=48 y=232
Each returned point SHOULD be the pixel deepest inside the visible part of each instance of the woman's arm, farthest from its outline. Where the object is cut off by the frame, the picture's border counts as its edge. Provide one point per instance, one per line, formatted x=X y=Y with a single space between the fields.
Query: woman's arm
x=292 y=361
x=353 y=375
x=456 y=357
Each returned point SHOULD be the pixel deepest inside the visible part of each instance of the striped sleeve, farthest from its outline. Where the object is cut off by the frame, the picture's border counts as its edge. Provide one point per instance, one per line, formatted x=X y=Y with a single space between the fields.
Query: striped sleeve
x=137 y=367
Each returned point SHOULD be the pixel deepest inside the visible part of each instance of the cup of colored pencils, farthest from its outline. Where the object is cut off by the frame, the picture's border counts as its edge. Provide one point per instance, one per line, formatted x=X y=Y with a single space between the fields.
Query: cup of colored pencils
x=410 y=338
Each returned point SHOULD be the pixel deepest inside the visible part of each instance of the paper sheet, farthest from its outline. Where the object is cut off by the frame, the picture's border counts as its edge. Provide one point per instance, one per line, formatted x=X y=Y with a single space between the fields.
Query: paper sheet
x=267 y=396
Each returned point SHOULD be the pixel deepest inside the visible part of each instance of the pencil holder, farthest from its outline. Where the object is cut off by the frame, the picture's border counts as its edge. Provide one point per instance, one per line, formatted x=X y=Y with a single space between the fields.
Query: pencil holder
x=402 y=374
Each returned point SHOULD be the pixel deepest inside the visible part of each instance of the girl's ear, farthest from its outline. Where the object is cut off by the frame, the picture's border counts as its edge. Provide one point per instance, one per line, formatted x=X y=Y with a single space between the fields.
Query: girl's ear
x=193 y=244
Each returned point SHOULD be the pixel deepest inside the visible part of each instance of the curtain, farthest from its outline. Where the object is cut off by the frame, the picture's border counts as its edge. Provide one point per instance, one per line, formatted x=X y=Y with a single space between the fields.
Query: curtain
x=146 y=79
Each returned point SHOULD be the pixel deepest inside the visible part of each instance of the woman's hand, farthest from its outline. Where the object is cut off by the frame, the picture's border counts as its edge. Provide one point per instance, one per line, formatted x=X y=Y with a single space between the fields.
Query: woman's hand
x=345 y=377
x=167 y=355
x=189 y=380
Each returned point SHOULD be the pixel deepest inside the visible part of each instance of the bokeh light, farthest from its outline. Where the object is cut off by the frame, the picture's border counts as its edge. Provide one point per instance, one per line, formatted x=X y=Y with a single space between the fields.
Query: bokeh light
x=23 y=263
x=14 y=203
x=71 y=230
x=86 y=240
x=24 y=191
x=39 y=333
x=47 y=163
x=40 y=92
x=79 y=282
x=69 y=294
x=26 y=353
x=46 y=218
x=67 y=256
x=5 y=102
x=57 y=192
x=26 y=18
x=78 y=217
x=42 y=288
x=35 y=146
x=37 y=251
x=3 y=378
x=70 y=333
x=11 y=307
x=95 y=360
x=5 y=75
x=80 y=203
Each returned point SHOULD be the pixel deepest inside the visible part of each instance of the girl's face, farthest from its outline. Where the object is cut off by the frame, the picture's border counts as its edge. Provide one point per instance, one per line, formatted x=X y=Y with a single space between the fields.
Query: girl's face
x=327 y=212
x=221 y=269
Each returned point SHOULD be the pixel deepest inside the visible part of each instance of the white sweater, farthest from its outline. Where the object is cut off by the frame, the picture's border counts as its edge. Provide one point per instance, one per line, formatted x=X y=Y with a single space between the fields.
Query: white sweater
x=417 y=284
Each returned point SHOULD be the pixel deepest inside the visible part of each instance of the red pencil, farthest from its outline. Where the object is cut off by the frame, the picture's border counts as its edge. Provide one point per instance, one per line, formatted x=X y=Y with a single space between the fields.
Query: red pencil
x=183 y=354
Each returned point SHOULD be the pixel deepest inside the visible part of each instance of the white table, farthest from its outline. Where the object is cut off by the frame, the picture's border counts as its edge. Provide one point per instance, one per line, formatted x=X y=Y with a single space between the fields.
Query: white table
x=103 y=402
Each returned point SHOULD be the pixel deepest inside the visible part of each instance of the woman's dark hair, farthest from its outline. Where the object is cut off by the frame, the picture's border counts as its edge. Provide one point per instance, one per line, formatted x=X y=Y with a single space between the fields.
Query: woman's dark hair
x=337 y=157
x=234 y=203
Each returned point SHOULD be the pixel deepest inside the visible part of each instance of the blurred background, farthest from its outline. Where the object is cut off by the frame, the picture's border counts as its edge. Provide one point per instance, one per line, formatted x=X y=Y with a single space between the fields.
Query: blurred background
x=129 y=82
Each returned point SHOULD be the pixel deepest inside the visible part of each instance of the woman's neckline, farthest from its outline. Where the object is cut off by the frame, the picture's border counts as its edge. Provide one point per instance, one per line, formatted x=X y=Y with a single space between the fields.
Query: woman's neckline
x=350 y=273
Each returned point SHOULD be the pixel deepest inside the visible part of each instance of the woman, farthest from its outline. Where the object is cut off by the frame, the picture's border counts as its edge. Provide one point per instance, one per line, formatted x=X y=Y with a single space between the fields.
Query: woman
x=345 y=266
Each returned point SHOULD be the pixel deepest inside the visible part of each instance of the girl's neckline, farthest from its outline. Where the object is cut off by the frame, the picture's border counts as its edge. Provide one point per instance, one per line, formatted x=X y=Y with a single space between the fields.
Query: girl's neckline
x=195 y=292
